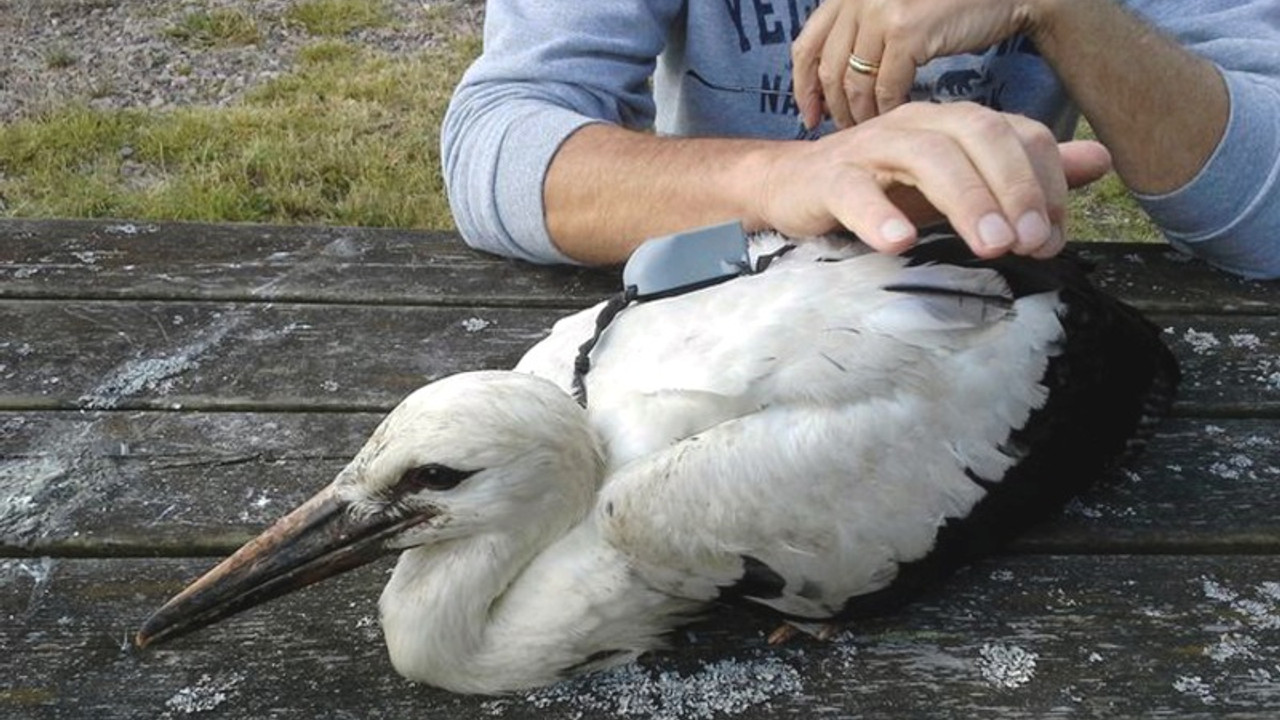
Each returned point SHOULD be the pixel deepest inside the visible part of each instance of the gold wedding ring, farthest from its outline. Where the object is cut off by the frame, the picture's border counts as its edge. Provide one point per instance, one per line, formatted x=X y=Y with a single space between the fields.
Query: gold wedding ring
x=862 y=67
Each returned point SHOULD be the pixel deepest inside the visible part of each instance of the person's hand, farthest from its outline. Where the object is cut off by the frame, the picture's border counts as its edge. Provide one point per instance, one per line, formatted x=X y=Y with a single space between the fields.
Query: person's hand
x=898 y=36
x=1000 y=179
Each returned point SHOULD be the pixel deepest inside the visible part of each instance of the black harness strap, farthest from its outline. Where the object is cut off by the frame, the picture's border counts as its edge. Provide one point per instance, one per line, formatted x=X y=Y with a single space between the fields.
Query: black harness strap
x=619 y=302
x=582 y=364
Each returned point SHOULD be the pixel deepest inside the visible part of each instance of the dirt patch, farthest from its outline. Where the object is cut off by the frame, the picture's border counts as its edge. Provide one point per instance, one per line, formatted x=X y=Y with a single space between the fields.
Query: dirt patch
x=133 y=53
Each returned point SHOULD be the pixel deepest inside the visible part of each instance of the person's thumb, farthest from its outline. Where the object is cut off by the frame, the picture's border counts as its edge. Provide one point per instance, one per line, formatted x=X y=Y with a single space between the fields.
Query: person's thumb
x=1084 y=161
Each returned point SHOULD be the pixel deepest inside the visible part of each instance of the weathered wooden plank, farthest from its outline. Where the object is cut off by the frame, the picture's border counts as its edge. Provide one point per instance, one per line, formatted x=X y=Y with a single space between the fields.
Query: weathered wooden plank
x=172 y=482
x=169 y=483
x=1156 y=278
x=1200 y=486
x=198 y=437
x=95 y=354
x=1231 y=364
x=103 y=259
x=1021 y=637
x=224 y=355
x=109 y=259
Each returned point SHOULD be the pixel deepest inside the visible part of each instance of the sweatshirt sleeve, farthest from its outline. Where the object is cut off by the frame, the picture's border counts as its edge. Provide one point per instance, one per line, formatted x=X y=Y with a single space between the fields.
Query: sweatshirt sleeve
x=548 y=68
x=1229 y=213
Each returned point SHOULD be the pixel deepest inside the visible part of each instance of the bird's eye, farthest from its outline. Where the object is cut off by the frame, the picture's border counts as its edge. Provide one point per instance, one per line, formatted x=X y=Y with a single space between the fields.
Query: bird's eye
x=430 y=477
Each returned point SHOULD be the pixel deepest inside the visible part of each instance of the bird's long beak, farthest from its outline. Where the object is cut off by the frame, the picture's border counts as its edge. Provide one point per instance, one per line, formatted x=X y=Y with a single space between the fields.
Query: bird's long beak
x=319 y=539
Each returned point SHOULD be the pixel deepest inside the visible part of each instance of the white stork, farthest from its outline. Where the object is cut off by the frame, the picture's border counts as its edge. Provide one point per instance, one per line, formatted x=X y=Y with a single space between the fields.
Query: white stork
x=824 y=438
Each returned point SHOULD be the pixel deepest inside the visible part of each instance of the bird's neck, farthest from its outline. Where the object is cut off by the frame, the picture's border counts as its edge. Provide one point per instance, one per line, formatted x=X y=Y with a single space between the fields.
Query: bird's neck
x=435 y=609
x=492 y=614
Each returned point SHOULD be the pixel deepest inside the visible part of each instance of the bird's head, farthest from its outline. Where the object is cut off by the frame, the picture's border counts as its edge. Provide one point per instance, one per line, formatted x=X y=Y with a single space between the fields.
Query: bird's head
x=469 y=453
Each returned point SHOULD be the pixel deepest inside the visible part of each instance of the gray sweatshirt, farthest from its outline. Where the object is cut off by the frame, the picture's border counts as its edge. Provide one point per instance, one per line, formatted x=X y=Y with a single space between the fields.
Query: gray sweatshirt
x=722 y=68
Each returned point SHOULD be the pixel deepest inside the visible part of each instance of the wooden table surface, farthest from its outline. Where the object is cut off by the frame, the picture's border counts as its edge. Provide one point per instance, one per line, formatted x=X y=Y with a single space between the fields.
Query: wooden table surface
x=168 y=390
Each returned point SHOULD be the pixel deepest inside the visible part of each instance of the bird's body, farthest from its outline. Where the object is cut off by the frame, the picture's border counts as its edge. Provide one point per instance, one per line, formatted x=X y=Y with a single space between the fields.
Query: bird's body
x=824 y=439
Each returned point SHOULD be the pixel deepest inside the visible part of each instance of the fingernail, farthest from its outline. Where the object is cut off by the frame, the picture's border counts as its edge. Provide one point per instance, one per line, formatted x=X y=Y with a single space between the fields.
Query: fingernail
x=1033 y=229
x=896 y=230
x=994 y=232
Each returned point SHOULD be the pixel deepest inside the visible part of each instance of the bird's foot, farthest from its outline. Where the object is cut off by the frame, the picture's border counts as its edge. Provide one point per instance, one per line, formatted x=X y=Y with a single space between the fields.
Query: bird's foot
x=790 y=628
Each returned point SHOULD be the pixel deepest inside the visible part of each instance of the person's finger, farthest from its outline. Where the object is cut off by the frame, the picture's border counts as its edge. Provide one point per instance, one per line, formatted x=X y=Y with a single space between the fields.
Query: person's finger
x=862 y=74
x=1046 y=157
x=806 y=52
x=1084 y=161
x=897 y=72
x=1025 y=172
x=833 y=66
x=860 y=204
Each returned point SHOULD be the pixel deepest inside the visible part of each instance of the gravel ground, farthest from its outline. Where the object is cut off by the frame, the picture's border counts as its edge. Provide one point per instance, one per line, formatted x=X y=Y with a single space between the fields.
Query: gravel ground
x=119 y=53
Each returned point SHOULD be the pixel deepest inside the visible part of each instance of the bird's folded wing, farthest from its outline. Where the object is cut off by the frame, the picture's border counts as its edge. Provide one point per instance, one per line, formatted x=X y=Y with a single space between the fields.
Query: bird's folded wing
x=867 y=424
x=797 y=508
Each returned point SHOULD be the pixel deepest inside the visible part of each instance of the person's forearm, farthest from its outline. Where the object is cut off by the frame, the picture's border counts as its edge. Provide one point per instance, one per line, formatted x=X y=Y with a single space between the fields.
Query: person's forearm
x=1160 y=109
x=610 y=188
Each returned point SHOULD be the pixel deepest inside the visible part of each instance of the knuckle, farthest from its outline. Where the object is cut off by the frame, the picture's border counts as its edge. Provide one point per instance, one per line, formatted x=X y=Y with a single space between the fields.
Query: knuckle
x=897 y=23
x=914 y=112
x=987 y=124
x=975 y=197
x=853 y=87
x=1040 y=141
x=1024 y=192
x=933 y=144
x=829 y=76
x=971 y=111
x=1033 y=133
x=869 y=135
x=977 y=120
x=802 y=48
x=887 y=94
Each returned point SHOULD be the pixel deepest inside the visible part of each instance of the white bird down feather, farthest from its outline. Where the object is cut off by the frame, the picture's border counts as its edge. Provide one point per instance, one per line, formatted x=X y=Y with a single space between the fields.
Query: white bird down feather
x=823 y=438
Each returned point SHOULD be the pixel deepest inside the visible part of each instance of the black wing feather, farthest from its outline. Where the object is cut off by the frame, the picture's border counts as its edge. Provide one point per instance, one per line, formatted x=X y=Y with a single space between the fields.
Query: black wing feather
x=1113 y=378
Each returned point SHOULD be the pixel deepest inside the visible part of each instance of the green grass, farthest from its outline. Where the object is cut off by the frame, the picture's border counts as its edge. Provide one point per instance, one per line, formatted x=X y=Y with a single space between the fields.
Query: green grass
x=1106 y=210
x=350 y=138
x=327 y=51
x=220 y=27
x=338 y=17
